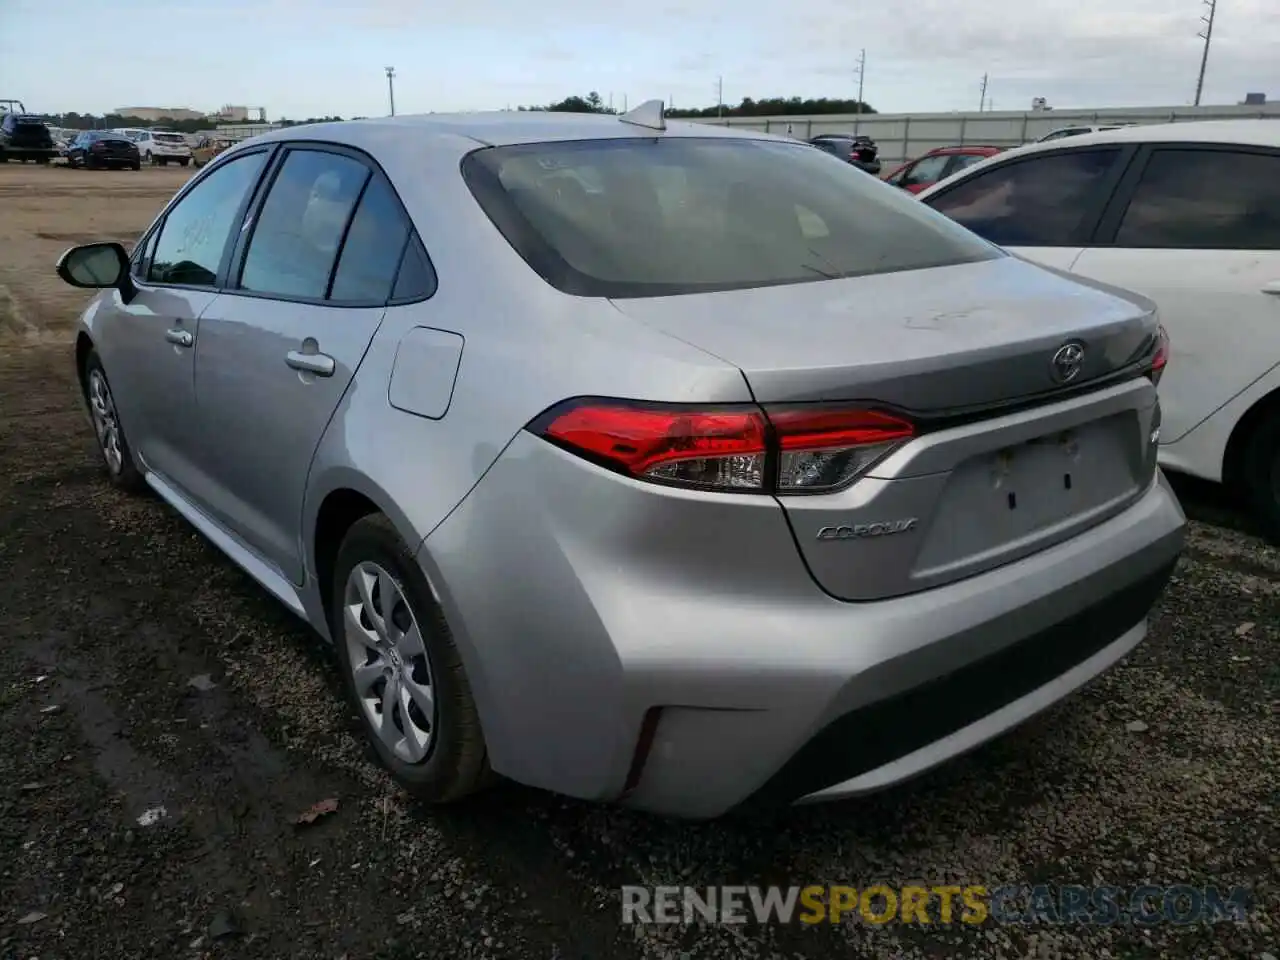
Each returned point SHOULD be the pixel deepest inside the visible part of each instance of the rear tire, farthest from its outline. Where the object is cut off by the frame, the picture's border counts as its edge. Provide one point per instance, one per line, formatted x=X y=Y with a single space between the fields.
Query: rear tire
x=183 y=163
x=455 y=763
x=1260 y=476
x=135 y=165
x=117 y=456
x=149 y=158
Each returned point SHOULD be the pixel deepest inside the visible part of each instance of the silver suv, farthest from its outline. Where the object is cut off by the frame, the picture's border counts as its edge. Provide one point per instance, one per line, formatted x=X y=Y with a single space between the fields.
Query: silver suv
x=679 y=465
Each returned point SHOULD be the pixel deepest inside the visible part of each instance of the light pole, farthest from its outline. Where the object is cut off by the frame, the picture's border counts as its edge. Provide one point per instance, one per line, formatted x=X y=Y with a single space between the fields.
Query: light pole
x=862 y=69
x=391 y=88
x=1206 y=36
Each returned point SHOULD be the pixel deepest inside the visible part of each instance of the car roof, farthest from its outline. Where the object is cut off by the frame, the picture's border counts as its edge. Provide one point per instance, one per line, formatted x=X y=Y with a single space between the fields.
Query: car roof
x=499 y=128
x=1261 y=133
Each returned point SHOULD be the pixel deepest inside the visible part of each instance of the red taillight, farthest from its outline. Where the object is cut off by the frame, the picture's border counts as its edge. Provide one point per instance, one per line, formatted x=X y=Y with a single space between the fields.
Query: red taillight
x=802 y=449
x=1160 y=359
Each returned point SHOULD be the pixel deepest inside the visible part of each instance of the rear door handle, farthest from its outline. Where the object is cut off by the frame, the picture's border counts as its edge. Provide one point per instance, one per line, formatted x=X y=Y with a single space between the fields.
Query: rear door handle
x=1272 y=288
x=322 y=365
x=181 y=338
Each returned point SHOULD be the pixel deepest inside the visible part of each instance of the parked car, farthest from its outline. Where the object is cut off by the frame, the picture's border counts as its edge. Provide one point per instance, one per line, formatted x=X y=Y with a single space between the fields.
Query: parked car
x=25 y=137
x=859 y=150
x=163 y=147
x=1189 y=215
x=937 y=165
x=102 y=149
x=688 y=525
x=133 y=134
x=1062 y=132
x=205 y=149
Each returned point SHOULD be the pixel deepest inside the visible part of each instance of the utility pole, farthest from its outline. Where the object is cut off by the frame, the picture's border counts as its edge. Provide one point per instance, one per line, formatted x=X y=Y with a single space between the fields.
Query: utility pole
x=391 y=88
x=1206 y=35
x=862 y=70
x=720 y=98
x=982 y=97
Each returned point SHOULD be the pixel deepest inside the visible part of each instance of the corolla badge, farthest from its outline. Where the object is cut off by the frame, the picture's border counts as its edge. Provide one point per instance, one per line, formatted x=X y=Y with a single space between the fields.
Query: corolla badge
x=1066 y=363
x=859 y=531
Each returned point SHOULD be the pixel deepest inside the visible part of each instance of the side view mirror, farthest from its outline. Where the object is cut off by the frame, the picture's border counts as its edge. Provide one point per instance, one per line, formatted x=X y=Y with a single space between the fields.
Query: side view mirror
x=97 y=266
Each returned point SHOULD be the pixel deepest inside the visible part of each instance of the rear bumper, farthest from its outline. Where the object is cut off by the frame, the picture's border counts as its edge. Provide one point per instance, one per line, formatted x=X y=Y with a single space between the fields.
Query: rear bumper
x=929 y=724
x=667 y=648
x=28 y=153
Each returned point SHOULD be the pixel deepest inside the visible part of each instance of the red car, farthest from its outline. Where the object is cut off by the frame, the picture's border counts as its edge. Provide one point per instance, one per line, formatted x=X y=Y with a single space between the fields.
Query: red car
x=926 y=170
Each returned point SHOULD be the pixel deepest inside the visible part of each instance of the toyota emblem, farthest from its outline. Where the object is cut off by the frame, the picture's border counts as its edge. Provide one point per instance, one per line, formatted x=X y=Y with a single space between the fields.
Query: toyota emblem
x=1066 y=363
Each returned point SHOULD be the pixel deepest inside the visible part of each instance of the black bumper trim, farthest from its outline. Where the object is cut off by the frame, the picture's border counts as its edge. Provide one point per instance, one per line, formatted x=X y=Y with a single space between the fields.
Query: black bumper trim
x=881 y=732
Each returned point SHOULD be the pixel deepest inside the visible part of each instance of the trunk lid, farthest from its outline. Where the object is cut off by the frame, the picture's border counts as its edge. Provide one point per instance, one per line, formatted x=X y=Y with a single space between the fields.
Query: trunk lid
x=942 y=339
x=963 y=496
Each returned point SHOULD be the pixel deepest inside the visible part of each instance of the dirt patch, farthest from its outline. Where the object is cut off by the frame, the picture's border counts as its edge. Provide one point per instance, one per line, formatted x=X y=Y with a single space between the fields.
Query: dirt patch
x=44 y=210
x=163 y=723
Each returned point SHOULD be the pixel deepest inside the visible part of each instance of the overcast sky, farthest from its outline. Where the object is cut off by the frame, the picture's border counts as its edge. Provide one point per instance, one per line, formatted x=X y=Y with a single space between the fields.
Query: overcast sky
x=303 y=58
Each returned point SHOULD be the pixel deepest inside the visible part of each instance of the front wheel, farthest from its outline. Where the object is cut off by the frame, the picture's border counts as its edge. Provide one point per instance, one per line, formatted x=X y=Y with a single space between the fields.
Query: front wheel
x=1261 y=476
x=135 y=165
x=402 y=670
x=117 y=457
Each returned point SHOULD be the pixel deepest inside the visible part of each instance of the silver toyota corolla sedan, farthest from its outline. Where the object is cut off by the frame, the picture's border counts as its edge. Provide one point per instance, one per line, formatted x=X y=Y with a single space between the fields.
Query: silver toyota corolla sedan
x=664 y=464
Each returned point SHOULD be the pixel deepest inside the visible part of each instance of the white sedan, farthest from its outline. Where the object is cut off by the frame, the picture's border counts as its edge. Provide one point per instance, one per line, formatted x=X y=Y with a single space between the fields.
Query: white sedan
x=1187 y=214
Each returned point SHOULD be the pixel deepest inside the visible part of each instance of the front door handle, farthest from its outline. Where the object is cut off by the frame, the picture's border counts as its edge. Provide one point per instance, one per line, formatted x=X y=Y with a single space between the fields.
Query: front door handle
x=1272 y=288
x=322 y=365
x=180 y=338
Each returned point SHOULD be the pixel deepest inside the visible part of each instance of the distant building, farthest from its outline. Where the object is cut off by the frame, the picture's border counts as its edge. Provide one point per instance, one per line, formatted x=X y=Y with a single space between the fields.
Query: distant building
x=1254 y=99
x=154 y=114
x=234 y=114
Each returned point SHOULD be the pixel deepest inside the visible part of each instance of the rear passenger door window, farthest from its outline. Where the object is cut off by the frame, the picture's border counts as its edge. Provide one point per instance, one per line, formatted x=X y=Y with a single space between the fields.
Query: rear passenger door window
x=1205 y=200
x=195 y=232
x=1045 y=201
x=962 y=161
x=926 y=170
x=372 y=250
x=301 y=225
x=416 y=279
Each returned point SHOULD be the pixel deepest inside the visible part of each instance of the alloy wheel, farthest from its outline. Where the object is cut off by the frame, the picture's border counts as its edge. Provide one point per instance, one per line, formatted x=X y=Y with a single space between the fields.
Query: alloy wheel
x=105 y=422
x=389 y=664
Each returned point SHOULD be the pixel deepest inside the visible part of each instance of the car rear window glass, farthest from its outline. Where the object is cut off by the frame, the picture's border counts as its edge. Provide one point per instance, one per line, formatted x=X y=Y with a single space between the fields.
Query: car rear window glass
x=1206 y=200
x=664 y=216
x=169 y=138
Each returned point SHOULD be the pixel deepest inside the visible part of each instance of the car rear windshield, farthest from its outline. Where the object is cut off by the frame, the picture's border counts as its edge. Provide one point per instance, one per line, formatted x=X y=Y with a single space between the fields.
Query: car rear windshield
x=663 y=216
x=170 y=138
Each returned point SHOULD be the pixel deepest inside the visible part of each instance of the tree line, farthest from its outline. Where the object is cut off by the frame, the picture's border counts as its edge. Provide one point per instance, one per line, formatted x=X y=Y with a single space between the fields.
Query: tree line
x=115 y=121
x=748 y=107
x=591 y=103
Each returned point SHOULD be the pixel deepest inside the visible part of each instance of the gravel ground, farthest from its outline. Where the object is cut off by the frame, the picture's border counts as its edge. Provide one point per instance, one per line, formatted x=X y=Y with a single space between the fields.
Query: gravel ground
x=163 y=723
